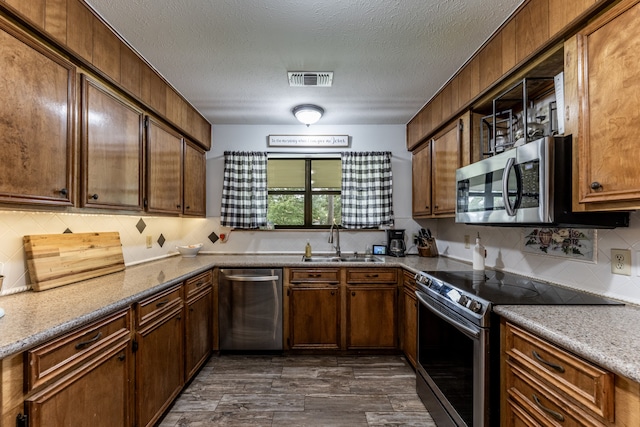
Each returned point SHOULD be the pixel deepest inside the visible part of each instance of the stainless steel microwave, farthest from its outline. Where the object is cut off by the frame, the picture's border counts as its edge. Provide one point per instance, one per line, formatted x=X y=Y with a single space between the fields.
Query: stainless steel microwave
x=527 y=185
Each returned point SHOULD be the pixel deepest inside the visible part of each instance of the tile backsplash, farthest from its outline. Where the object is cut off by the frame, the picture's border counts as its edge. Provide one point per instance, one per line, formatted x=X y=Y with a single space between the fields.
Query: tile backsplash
x=166 y=230
x=504 y=245
x=16 y=224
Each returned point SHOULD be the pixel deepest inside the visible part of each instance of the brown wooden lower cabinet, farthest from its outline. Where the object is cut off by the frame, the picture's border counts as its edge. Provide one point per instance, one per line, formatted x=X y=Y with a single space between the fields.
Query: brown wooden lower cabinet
x=314 y=316
x=371 y=316
x=409 y=324
x=84 y=377
x=97 y=394
x=198 y=323
x=159 y=355
x=543 y=384
x=335 y=308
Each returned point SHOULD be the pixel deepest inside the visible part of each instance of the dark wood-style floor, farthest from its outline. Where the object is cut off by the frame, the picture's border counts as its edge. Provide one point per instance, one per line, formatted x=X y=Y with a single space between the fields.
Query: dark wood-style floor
x=244 y=390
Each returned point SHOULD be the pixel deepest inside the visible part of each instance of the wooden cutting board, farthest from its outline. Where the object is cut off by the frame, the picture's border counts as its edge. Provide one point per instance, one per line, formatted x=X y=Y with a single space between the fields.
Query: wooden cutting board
x=59 y=259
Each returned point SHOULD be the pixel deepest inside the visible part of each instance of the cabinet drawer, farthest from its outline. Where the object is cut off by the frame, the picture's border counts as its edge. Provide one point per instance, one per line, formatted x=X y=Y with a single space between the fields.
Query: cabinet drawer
x=409 y=280
x=199 y=282
x=311 y=275
x=582 y=381
x=73 y=349
x=529 y=395
x=156 y=305
x=372 y=275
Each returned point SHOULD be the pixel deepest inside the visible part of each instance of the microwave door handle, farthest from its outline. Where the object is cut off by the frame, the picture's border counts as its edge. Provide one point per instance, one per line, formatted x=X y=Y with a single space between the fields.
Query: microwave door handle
x=511 y=211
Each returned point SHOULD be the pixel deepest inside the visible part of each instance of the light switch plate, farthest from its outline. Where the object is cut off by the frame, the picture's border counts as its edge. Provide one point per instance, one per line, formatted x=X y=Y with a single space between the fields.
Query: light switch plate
x=621 y=261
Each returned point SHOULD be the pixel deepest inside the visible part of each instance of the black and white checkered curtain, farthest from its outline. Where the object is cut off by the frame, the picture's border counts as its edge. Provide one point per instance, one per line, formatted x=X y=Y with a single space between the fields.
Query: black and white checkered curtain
x=244 y=189
x=366 y=189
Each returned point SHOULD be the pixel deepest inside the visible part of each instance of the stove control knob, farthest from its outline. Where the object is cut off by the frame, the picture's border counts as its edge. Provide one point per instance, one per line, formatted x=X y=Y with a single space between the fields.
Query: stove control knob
x=463 y=301
x=475 y=306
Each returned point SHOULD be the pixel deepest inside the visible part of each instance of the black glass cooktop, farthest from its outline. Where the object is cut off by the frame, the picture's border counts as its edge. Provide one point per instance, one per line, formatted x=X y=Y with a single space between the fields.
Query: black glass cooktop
x=498 y=288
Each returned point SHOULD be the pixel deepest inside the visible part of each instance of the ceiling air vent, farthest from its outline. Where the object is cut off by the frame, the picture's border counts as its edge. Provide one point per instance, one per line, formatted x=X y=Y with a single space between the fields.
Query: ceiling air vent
x=310 y=78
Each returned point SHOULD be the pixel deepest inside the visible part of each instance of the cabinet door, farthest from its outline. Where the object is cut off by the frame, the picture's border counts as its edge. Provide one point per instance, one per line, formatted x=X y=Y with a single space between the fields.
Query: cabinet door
x=608 y=150
x=445 y=160
x=159 y=366
x=421 y=177
x=199 y=318
x=195 y=180
x=36 y=123
x=314 y=317
x=369 y=305
x=410 y=325
x=164 y=169
x=112 y=142
x=97 y=394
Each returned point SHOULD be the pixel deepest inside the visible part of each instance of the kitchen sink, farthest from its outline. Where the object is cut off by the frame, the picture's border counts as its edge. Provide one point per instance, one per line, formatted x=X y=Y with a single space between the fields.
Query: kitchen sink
x=351 y=258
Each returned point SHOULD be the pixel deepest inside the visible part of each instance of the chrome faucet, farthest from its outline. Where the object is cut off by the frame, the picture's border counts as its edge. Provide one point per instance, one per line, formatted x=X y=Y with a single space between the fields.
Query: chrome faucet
x=337 y=245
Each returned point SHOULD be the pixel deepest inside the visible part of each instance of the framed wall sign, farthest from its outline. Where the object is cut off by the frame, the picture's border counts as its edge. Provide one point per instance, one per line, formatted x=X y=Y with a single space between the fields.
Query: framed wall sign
x=308 y=141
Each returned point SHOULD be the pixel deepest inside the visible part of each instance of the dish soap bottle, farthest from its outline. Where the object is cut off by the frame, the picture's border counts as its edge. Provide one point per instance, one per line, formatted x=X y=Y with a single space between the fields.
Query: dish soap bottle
x=479 y=253
x=307 y=250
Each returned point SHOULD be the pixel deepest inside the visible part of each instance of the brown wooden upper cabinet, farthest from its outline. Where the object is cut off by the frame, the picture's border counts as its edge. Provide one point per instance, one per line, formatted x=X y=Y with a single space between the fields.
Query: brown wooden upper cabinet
x=164 y=169
x=36 y=140
x=421 y=177
x=195 y=177
x=445 y=159
x=607 y=65
x=73 y=26
x=112 y=149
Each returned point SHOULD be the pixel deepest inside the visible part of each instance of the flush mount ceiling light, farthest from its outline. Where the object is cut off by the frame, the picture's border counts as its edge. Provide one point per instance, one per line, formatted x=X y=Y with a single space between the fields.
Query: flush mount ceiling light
x=308 y=114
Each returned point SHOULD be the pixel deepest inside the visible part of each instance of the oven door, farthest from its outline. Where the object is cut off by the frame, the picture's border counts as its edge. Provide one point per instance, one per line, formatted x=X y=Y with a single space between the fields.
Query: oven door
x=453 y=365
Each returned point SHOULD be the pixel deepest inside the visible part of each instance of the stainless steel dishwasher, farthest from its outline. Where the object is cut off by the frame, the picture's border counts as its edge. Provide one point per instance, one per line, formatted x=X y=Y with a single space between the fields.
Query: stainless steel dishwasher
x=250 y=309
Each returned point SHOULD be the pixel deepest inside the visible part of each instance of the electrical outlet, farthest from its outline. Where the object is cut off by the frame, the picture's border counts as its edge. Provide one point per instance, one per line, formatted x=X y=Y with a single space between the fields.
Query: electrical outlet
x=467 y=241
x=621 y=261
x=414 y=237
x=149 y=243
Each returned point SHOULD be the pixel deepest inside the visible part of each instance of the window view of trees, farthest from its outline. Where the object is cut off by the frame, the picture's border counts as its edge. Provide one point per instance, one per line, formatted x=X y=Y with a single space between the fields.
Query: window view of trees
x=304 y=192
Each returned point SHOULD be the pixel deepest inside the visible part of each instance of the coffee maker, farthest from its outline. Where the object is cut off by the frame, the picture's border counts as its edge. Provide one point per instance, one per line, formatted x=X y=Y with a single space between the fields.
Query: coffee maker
x=395 y=243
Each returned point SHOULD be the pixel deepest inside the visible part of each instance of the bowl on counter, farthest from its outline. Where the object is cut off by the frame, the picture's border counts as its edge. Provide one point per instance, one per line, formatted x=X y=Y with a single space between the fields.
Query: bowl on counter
x=189 y=251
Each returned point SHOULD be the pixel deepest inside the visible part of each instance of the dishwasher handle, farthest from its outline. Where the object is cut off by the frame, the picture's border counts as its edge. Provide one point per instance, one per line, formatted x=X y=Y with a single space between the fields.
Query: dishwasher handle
x=252 y=278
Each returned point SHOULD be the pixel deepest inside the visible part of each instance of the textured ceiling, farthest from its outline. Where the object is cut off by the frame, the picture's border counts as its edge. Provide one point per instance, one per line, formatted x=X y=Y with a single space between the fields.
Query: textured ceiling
x=230 y=58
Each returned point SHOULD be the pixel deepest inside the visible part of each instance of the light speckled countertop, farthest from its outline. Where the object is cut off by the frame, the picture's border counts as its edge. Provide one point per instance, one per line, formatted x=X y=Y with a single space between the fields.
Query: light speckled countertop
x=606 y=335
x=32 y=318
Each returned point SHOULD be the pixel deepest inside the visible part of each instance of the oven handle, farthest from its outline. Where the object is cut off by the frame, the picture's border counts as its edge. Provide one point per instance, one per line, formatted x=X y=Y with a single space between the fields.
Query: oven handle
x=474 y=333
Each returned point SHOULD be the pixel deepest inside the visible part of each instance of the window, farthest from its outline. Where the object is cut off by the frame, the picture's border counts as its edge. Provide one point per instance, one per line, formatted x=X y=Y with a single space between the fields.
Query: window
x=304 y=193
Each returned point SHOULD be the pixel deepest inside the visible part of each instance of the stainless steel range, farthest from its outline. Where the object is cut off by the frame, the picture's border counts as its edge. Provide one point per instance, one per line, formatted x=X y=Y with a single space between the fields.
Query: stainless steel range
x=459 y=338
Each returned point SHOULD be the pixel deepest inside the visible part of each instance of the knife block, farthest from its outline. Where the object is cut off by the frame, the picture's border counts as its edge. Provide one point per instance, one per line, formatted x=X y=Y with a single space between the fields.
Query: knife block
x=430 y=249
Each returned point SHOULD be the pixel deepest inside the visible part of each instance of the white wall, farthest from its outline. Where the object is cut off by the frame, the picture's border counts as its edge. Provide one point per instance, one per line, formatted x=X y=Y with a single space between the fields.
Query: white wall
x=504 y=252
x=362 y=138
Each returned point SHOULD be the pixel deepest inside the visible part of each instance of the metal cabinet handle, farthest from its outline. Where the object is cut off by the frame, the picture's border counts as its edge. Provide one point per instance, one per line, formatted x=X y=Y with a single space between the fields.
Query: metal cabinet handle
x=64 y=192
x=546 y=362
x=84 y=344
x=314 y=275
x=121 y=357
x=94 y=196
x=353 y=294
x=333 y=292
x=162 y=303
x=595 y=185
x=558 y=416
x=371 y=276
